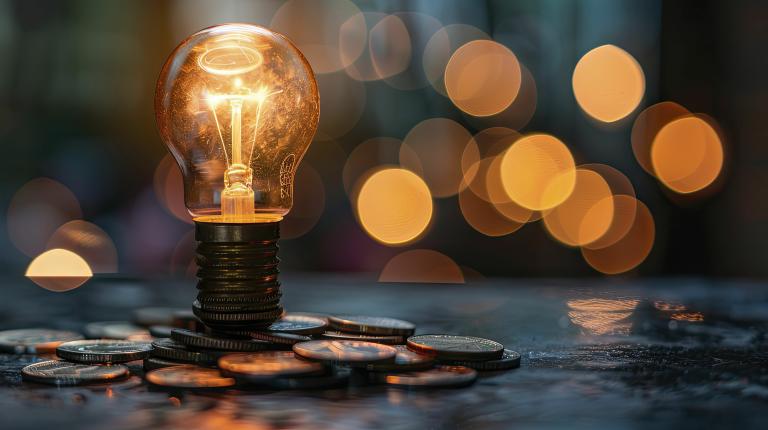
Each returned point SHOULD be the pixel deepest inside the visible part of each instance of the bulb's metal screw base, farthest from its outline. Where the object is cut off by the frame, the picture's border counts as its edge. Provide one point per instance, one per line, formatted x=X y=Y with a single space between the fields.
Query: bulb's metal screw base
x=238 y=289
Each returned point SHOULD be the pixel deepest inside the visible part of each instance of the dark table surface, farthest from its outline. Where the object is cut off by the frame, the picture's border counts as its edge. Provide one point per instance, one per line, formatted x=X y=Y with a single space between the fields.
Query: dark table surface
x=682 y=353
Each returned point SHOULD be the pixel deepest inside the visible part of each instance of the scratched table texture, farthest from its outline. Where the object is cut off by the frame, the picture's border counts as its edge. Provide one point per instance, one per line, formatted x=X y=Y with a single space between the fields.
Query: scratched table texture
x=681 y=353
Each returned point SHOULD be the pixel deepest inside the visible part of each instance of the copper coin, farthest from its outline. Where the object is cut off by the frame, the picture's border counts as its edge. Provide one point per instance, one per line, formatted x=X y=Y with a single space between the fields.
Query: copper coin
x=189 y=377
x=298 y=324
x=405 y=361
x=440 y=376
x=372 y=325
x=57 y=372
x=340 y=335
x=34 y=340
x=350 y=352
x=452 y=347
x=265 y=365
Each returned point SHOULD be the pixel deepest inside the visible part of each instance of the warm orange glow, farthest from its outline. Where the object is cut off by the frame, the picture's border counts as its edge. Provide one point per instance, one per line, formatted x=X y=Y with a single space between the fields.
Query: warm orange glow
x=688 y=316
x=331 y=33
x=647 y=126
x=89 y=242
x=375 y=154
x=608 y=83
x=59 y=270
x=500 y=199
x=394 y=206
x=422 y=266
x=630 y=250
x=35 y=212
x=586 y=215
x=483 y=78
x=483 y=216
x=602 y=316
x=244 y=98
x=439 y=144
x=687 y=154
x=308 y=203
x=538 y=172
x=441 y=47
x=485 y=144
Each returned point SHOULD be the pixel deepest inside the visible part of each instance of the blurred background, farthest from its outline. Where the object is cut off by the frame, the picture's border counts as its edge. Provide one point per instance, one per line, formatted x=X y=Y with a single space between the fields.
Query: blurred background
x=652 y=111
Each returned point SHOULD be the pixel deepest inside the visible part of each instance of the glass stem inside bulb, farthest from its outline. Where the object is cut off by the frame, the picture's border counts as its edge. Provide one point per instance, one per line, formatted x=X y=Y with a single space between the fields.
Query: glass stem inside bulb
x=237 y=199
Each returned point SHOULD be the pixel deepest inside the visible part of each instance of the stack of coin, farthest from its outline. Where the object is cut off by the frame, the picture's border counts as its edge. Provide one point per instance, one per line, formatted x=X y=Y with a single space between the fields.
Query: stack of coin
x=237 y=270
x=474 y=352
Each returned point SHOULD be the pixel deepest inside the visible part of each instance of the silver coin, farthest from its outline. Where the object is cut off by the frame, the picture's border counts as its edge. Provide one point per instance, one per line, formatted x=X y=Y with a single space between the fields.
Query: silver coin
x=57 y=372
x=372 y=325
x=34 y=340
x=440 y=376
x=104 y=351
x=298 y=324
x=452 y=347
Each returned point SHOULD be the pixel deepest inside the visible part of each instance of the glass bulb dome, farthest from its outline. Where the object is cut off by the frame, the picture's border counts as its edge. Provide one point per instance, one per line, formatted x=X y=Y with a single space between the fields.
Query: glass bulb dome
x=237 y=105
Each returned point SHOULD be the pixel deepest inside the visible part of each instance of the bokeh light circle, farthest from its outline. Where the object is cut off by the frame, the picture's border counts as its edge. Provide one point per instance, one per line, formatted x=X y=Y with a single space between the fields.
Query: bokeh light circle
x=538 y=172
x=623 y=204
x=439 y=144
x=483 y=78
x=586 y=215
x=37 y=209
x=687 y=154
x=519 y=113
x=441 y=47
x=59 y=270
x=394 y=206
x=608 y=83
x=422 y=266
x=331 y=33
x=88 y=241
x=630 y=250
x=647 y=126
x=483 y=216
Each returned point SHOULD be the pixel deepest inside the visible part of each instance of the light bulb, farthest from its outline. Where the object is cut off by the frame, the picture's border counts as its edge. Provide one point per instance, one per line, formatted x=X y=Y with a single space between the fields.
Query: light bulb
x=237 y=105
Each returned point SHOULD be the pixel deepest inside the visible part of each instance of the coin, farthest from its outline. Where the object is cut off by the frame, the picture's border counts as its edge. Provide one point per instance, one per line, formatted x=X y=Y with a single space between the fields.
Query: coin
x=244 y=307
x=279 y=338
x=349 y=352
x=509 y=360
x=211 y=298
x=298 y=324
x=57 y=372
x=239 y=318
x=154 y=316
x=153 y=363
x=188 y=376
x=336 y=378
x=172 y=350
x=388 y=340
x=34 y=340
x=452 y=347
x=405 y=361
x=265 y=365
x=201 y=340
x=372 y=325
x=440 y=376
x=116 y=330
x=103 y=351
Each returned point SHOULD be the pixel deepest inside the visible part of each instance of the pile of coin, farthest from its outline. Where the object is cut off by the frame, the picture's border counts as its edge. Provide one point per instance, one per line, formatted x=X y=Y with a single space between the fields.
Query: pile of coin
x=298 y=351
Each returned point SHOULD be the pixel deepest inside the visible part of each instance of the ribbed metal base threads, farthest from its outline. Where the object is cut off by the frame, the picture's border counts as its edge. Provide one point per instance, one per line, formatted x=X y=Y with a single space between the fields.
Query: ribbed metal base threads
x=237 y=265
